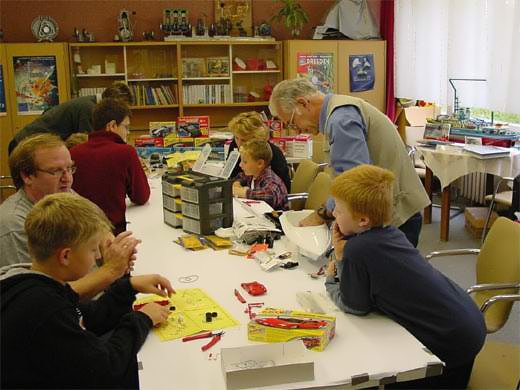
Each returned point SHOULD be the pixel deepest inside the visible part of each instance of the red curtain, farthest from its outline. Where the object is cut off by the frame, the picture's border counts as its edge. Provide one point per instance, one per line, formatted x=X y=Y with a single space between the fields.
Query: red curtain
x=387 y=33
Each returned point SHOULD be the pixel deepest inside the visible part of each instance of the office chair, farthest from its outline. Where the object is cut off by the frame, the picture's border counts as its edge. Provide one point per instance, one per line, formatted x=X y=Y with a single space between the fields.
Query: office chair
x=303 y=178
x=498 y=286
x=319 y=192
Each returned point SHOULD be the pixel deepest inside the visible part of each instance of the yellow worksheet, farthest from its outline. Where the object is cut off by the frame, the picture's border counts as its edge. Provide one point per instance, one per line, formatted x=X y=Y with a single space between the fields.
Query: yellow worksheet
x=189 y=316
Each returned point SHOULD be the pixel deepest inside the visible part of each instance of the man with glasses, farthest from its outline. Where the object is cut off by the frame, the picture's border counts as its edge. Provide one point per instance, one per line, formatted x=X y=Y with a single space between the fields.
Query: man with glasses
x=356 y=133
x=73 y=116
x=107 y=168
x=41 y=165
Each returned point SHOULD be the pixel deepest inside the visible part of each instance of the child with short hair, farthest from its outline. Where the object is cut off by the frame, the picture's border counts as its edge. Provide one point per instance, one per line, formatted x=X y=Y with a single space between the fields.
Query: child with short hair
x=49 y=338
x=257 y=180
x=377 y=269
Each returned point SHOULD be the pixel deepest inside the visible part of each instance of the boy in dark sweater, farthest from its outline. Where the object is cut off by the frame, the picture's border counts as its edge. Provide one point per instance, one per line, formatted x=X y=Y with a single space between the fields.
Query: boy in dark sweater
x=49 y=338
x=377 y=269
x=257 y=180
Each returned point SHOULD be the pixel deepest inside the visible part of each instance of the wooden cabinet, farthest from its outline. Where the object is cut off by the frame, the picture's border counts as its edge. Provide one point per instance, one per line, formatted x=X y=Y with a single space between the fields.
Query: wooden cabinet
x=6 y=130
x=340 y=52
x=172 y=79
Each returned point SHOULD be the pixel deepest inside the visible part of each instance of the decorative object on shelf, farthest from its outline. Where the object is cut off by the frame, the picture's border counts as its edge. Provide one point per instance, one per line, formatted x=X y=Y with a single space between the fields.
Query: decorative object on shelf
x=292 y=15
x=175 y=22
x=264 y=30
x=125 y=32
x=237 y=13
x=268 y=90
x=148 y=35
x=193 y=67
x=224 y=27
x=83 y=35
x=218 y=66
x=239 y=64
x=200 y=29
x=44 y=28
x=212 y=30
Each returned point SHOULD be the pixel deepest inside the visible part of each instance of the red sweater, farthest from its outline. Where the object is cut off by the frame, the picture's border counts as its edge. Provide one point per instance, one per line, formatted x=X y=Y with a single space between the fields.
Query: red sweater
x=108 y=170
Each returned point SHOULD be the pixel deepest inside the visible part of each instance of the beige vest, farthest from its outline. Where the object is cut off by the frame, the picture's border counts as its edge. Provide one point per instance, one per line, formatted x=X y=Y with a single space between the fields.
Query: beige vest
x=387 y=150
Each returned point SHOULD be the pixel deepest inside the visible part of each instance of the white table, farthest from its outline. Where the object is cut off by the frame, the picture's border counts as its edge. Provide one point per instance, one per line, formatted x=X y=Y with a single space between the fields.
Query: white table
x=364 y=350
x=448 y=164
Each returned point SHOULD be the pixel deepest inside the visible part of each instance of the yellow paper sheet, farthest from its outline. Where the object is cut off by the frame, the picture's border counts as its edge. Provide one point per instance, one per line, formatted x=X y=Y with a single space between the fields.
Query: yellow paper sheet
x=175 y=158
x=189 y=317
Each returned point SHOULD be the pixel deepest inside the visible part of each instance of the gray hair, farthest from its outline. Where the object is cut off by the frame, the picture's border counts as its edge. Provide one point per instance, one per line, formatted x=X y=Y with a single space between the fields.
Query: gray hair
x=286 y=92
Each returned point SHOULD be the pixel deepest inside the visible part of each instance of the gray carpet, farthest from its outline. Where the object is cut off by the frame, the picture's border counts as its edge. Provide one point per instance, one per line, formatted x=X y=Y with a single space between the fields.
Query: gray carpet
x=461 y=269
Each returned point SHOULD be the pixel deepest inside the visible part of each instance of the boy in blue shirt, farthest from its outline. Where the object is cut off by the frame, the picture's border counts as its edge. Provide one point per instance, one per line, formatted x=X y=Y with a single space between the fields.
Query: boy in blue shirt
x=377 y=269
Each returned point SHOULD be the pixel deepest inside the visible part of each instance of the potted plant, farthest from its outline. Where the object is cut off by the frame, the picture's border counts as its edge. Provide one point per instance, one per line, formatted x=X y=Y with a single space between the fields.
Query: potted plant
x=292 y=15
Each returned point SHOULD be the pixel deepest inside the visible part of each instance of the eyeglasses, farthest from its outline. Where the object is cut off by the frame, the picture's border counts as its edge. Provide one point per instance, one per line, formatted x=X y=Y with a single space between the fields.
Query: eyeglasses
x=291 y=124
x=59 y=172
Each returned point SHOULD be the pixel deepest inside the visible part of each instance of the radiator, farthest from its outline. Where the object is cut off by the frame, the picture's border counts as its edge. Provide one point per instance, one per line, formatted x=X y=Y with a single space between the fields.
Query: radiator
x=473 y=187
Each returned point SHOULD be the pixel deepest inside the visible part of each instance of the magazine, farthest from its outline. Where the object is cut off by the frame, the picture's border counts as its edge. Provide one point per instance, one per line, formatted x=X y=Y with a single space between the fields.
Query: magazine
x=318 y=68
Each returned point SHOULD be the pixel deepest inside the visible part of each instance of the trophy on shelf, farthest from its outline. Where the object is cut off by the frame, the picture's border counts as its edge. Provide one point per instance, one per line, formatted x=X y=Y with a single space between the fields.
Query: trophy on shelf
x=125 y=33
x=83 y=35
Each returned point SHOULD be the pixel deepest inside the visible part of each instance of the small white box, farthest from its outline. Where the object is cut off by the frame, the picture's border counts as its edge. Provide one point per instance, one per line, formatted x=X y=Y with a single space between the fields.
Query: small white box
x=266 y=365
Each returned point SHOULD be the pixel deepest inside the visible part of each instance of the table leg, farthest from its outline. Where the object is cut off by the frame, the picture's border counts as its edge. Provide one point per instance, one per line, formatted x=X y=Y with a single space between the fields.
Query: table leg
x=428 y=179
x=445 y=213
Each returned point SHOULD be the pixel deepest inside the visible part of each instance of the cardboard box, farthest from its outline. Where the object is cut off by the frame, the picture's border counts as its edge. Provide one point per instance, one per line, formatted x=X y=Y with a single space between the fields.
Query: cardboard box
x=414 y=117
x=315 y=339
x=173 y=139
x=161 y=129
x=299 y=146
x=192 y=126
x=146 y=140
x=476 y=218
x=266 y=365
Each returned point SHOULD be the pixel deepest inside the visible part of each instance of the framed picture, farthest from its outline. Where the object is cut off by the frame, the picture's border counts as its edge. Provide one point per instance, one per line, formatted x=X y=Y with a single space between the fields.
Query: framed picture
x=239 y=12
x=193 y=67
x=217 y=66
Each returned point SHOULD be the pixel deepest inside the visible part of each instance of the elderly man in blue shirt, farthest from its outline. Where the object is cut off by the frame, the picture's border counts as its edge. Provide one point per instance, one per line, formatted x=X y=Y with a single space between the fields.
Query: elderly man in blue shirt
x=356 y=133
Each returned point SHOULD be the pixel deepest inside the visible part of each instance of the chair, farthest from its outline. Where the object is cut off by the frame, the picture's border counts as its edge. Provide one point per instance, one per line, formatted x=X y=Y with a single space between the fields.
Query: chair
x=319 y=192
x=498 y=287
x=303 y=177
x=4 y=187
x=504 y=198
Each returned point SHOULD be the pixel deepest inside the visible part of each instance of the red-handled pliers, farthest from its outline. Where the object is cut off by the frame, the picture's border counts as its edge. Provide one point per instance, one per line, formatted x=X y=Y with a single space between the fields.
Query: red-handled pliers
x=216 y=337
x=140 y=305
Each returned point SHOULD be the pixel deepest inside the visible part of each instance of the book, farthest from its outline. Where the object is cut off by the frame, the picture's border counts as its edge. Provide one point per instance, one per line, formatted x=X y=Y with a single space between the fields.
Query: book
x=486 y=151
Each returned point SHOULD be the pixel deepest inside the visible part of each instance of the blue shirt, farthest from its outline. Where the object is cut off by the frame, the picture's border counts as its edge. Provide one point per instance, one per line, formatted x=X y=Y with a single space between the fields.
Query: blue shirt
x=382 y=271
x=347 y=133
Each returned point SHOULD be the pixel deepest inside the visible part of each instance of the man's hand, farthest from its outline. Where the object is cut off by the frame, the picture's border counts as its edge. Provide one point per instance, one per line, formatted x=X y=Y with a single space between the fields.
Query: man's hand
x=312 y=220
x=157 y=313
x=153 y=284
x=338 y=241
x=119 y=254
x=331 y=269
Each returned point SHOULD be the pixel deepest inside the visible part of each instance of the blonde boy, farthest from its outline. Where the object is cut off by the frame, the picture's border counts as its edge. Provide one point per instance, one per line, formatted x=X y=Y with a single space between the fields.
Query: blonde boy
x=378 y=269
x=49 y=338
x=257 y=180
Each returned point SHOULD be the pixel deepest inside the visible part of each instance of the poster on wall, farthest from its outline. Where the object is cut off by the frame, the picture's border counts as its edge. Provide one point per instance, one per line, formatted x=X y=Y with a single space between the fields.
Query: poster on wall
x=3 y=107
x=318 y=68
x=36 y=84
x=362 y=72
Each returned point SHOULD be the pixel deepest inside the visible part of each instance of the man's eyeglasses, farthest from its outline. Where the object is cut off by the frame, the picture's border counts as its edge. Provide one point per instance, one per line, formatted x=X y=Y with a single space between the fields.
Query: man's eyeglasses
x=291 y=124
x=59 y=172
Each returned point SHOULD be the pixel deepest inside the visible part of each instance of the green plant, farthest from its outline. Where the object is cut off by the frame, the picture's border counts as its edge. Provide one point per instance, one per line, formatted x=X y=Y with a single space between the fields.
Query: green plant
x=292 y=15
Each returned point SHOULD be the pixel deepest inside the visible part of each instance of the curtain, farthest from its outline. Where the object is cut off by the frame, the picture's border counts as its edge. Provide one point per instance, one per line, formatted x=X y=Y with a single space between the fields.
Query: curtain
x=442 y=39
x=387 y=33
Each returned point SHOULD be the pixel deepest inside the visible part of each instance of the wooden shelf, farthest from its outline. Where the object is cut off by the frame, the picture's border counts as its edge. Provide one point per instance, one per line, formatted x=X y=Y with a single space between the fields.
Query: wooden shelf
x=152 y=106
x=204 y=78
x=256 y=71
x=154 y=79
x=245 y=104
x=100 y=75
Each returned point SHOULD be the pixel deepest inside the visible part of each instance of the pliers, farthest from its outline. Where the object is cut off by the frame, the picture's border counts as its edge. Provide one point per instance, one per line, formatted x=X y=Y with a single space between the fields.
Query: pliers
x=215 y=339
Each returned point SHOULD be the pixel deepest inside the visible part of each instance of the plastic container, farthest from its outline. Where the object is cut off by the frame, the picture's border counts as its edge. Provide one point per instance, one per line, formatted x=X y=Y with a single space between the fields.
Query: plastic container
x=171 y=203
x=199 y=226
x=172 y=219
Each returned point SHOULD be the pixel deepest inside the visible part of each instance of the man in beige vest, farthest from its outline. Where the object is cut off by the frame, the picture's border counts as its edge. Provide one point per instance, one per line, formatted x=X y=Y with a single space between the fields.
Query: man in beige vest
x=356 y=133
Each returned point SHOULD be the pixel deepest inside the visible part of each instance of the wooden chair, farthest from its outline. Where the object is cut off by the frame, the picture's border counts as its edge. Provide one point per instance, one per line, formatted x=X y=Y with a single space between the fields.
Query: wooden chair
x=8 y=187
x=498 y=287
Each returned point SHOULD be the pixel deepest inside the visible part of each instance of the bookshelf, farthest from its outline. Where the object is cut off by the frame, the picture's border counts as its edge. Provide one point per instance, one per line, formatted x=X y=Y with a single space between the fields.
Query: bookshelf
x=178 y=78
